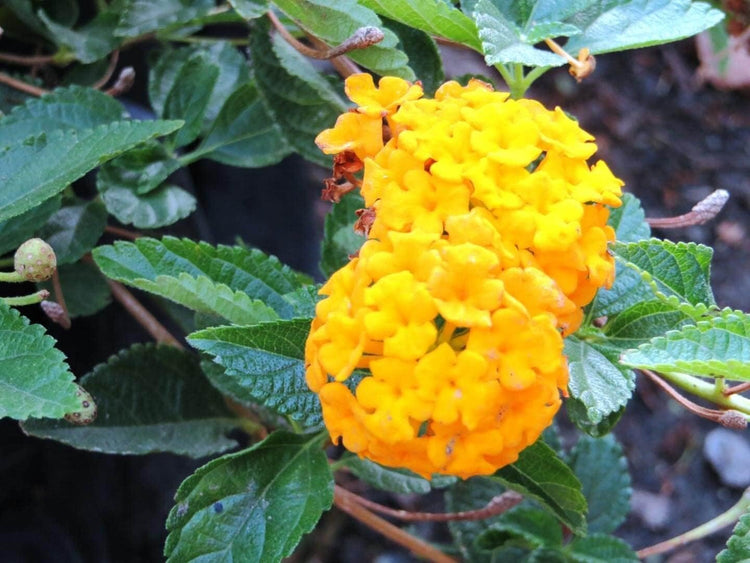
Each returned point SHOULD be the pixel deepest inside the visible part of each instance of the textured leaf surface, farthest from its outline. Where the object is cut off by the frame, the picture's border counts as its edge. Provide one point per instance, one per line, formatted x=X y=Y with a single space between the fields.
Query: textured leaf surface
x=85 y=289
x=599 y=384
x=642 y=322
x=738 y=545
x=244 y=133
x=578 y=414
x=306 y=105
x=166 y=267
x=265 y=363
x=401 y=481
x=22 y=227
x=616 y=26
x=674 y=270
x=719 y=347
x=432 y=16
x=254 y=505
x=73 y=107
x=601 y=467
x=37 y=169
x=339 y=239
x=601 y=548
x=75 y=229
x=250 y=9
x=140 y=169
x=334 y=21
x=163 y=206
x=142 y=16
x=150 y=399
x=92 y=41
x=34 y=378
x=543 y=476
x=529 y=526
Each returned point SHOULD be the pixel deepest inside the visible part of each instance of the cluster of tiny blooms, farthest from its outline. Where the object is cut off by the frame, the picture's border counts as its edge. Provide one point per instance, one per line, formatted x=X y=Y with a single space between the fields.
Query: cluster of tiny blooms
x=439 y=347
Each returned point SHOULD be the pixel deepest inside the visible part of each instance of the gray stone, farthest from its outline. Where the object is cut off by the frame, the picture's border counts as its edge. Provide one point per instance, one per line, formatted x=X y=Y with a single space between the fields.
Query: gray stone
x=728 y=452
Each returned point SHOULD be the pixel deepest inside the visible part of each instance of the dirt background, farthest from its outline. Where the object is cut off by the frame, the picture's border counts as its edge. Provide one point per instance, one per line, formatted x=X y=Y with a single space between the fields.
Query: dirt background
x=671 y=139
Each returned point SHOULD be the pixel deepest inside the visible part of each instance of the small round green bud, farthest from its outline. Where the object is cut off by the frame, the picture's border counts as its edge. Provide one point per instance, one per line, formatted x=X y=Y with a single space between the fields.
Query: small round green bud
x=86 y=414
x=35 y=260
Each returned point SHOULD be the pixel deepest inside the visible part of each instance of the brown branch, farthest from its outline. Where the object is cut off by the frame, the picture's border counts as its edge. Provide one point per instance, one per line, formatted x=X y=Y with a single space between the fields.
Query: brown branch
x=740 y=388
x=109 y=72
x=142 y=315
x=124 y=82
x=728 y=418
x=497 y=505
x=21 y=86
x=64 y=319
x=123 y=233
x=26 y=60
x=702 y=212
x=347 y=502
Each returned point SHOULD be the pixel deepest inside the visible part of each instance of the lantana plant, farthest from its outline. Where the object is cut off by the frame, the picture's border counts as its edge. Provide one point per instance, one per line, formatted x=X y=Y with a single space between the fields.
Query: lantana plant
x=481 y=269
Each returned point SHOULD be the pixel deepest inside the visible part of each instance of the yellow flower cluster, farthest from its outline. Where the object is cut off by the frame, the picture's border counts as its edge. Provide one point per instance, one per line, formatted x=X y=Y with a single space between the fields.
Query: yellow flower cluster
x=486 y=235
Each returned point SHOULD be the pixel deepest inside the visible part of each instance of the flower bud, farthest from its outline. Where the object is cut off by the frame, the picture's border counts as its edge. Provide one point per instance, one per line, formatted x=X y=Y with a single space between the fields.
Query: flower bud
x=86 y=414
x=35 y=260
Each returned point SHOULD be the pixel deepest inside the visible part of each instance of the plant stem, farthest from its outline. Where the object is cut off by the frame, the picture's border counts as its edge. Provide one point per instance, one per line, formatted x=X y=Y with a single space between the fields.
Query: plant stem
x=707 y=391
x=347 y=502
x=714 y=525
x=24 y=60
x=11 y=277
x=142 y=315
x=32 y=299
x=21 y=86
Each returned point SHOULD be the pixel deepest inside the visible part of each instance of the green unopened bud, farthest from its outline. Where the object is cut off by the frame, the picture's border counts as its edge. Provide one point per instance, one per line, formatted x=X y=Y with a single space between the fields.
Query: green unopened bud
x=35 y=260
x=86 y=413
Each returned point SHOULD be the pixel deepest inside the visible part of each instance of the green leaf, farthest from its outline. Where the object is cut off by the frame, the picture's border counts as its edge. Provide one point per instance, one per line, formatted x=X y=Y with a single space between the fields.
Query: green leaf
x=244 y=133
x=143 y=16
x=149 y=399
x=601 y=467
x=85 y=289
x=22 y=227
x=533 y=527
x=631 y=24
x=34 y=378
x=339 y=239
x=73 y=107
x=140 y=170
x=578 y=414
x=719 y=347
x=334 y=21
x=435 y=17
x=677 y=271
x=738 y=545
x=92 y=41
x=472 y=494
x=254 y=505
x=250 y=9
x=602 y=386
x=265 y=363
x=540 y=474
x=601 y=548
x=629 y=220
x=642 y=322
x=188 y=97
x=39 y=168
x=424 y=57
x=306 y=104
x=158 y=208
x=172 y=268
x=505 y=41
x=75 y=229
x=401 y=481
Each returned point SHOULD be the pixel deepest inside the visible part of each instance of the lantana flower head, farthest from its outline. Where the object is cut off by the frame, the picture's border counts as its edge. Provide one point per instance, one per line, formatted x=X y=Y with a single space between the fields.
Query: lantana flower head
x=439 y=347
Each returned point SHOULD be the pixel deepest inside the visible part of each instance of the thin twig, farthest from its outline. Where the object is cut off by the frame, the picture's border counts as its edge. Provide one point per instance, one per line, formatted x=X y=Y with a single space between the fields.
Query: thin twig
x=124 y=233
x=729 y=419
x=722 y=521
x=345 y=501
x=109 y=72
x=497 y=505
x=26 y=60
x=124 y=82
x=60 y=297
x=740 y=388
x=22 y=86
x=702 y=212
x=142 y=315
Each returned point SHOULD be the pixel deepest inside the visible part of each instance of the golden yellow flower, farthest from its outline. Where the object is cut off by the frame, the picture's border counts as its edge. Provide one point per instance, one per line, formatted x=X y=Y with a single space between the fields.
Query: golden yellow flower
x=486 y=236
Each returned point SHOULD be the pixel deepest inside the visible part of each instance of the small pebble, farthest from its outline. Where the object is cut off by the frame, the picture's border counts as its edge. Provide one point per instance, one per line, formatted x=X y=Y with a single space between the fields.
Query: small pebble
x=731 y=233
x=728 y=453
x=653 y=510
